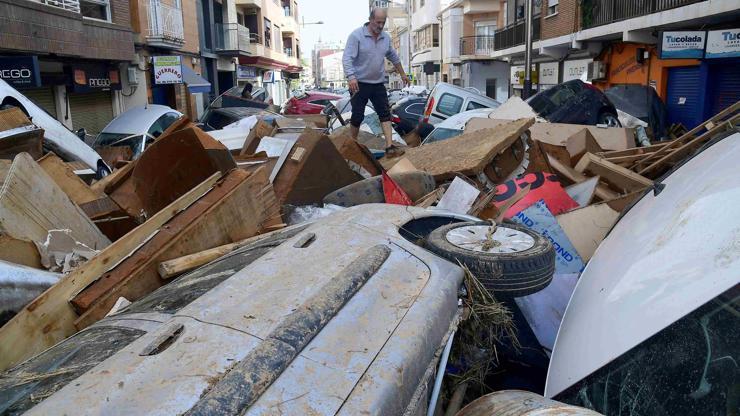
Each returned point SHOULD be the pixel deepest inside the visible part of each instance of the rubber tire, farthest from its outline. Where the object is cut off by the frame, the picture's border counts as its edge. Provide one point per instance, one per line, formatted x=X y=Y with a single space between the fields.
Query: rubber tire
x=605 y=114
x=521 y=274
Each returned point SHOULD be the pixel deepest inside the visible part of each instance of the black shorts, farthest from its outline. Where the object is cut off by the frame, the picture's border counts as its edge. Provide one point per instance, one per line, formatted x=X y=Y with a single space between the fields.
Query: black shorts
x=377 y=95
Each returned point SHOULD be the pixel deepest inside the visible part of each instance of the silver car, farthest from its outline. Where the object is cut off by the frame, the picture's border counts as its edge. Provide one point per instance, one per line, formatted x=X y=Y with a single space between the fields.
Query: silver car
x=137 y=128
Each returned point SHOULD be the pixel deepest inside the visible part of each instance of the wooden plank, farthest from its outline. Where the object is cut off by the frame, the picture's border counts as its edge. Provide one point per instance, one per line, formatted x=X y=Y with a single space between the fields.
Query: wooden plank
x=587 y=227
x=75 y=188
x=615 y=175
x=29 y=141
x=50 y=318
x=467 y=154
x=13 y=117
x=240 y=206
x=112 y=181
x=175 y=267
x=574 y=176
x=635 y=151
x=690 y=146
x=621 y=202
x=537 y=159
x=19 y=252
x=31 y=204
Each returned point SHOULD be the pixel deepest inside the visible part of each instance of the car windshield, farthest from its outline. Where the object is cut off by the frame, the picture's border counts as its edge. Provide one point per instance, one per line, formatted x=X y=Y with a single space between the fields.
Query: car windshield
x=441 y=133
x=689 y=368
x=133 y=142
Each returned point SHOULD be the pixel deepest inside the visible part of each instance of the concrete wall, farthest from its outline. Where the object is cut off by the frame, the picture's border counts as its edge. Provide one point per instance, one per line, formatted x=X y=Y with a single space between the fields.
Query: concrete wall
x=452 y=30
x=475 y=74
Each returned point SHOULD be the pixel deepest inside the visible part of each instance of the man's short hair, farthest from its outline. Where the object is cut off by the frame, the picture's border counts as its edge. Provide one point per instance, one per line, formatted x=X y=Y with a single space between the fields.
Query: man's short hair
x=374 y=9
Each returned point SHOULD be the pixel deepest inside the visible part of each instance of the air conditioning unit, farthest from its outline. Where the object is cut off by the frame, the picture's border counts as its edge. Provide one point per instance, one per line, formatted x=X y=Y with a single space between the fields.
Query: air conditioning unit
x=133 y=77
x=596 y=70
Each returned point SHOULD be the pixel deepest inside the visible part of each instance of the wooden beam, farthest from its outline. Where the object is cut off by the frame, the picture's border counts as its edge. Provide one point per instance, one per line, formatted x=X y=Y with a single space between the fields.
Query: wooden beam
x=615 y=175
x=75 y=188
x=50 y=318
x=576 y=177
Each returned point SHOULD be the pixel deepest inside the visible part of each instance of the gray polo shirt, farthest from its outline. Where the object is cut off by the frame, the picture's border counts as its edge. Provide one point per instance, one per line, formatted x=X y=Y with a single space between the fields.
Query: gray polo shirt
x=364 y=57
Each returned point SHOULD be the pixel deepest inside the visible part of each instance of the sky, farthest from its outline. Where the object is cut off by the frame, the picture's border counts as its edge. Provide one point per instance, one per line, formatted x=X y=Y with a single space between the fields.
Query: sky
x=340 y=17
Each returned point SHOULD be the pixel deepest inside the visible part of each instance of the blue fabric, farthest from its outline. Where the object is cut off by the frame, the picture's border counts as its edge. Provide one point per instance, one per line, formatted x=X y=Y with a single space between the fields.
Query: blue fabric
x=195 y=82
x=364 y=56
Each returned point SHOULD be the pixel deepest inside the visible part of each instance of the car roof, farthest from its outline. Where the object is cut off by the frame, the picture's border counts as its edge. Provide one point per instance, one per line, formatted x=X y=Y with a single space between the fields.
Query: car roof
x=459 y=120
x=137 y=119
x=670 y=254
x=443 y=87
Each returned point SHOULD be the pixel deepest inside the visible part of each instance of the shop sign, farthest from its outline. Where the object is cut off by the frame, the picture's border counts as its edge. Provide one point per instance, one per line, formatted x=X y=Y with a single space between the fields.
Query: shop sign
x=167 y=69
x=575 y=69
x=244 y=71
x=549 y=73
x=684 y=44
x=268 y=77
x=90 y=77
x=20 y=71
x=723 y=43
x=515 y=74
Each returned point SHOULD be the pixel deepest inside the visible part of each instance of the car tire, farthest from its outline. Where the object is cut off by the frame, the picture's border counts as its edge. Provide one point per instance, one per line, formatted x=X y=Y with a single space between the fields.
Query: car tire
x=610 y=119
x=524 y=263
x=102 y=171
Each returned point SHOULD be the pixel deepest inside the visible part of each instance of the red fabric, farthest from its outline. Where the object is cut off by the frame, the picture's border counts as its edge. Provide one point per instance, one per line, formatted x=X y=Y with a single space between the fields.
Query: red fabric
x=542 y=186
x=393 y=193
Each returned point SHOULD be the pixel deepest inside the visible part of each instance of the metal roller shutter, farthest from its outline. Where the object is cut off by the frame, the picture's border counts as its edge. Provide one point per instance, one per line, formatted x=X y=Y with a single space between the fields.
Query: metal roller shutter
x=683 y=98
x=724 y=87
x=42 y=97
x=91 y=111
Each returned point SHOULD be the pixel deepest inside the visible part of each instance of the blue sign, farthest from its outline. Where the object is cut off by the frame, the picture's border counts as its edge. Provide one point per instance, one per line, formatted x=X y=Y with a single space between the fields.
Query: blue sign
x=684 y=44
x=244 y=71
x=20 y=71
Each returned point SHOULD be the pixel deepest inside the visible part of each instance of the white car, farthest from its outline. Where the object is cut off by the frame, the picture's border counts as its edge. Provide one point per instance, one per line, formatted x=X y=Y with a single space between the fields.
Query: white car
x=446 y=100
x=137 y=127
x=57 y=137
x=653 y=326
x=455 y=125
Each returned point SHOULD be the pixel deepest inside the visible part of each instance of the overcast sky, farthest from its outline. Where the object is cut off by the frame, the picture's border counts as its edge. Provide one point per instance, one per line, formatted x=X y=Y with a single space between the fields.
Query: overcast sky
x=340 y=17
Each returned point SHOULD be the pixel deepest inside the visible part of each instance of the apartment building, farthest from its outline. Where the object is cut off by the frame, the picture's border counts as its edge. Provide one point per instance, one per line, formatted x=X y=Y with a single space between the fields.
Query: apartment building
x=332 y=71
x=467 y=34
x=425 y=41
x=264 y=36
x=69 y=57
x=322 y=50
x=686 y=49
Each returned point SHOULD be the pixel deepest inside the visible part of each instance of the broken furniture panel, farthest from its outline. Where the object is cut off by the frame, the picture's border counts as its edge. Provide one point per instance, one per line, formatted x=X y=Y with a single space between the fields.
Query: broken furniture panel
x=467 y=154
x=260 y=130
x=581 y=143
x=239 y=206
x=168 y=169
x=50 y=318
x=18 y=134
x=31 y=204
x=587 y=227
x=75 y=188
x=573 y=176
x=357 y=156
x=617 y=177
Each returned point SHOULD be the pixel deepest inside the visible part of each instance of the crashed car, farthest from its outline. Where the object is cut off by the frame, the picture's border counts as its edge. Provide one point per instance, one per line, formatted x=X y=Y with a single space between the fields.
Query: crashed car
x=347 y=315
x=575 y=102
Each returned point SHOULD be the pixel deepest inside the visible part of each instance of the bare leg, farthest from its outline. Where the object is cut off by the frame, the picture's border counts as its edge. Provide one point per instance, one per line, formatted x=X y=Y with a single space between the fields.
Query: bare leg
x=387 y=132
x=354 y=131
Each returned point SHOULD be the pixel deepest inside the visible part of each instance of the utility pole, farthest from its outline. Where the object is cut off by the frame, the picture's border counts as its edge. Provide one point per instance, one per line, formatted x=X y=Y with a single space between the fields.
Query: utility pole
x=527 y=92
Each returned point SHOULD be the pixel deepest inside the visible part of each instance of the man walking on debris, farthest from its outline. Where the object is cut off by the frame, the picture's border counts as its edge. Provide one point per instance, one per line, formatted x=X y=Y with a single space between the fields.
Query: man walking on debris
x=364 y=65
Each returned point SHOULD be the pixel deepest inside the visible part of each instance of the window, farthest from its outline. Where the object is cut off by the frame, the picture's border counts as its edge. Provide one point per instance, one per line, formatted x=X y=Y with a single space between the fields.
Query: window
x=278 y=39
x=421 y=3
x=449 y=104
x=689 y=368
x=95 y=9
x=415 y=109
x=268 y=33
x=435 y=35
x=441 y=133
x=552 y=7
x=474 y=106
x=162 y=124
x=323 y=102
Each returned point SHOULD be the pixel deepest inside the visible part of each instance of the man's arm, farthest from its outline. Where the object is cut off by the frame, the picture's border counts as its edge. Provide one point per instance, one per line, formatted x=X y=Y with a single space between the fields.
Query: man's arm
x=351 y=49
x=392 y=56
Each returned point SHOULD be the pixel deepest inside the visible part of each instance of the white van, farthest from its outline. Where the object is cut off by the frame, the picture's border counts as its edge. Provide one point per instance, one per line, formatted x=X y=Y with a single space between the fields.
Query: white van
x=446 y=100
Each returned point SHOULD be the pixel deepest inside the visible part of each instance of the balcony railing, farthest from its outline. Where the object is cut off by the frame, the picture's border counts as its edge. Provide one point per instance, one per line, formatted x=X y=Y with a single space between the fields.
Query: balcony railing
x=165 y=23
x=601 y=12
x=288 y=51
x=514 y=35
x=477 y=45
x=232 y=37
x=70 y=5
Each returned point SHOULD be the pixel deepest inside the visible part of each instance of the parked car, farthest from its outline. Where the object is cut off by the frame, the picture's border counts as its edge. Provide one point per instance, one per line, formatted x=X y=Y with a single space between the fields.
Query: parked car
x=455 y=125
x=218 y=118
x=309 y=102
x=653 y=326
x=57 y=137
x=136 y=128
x=446 y=100
x=575 y=102
x=407 y=113
x=346 y=315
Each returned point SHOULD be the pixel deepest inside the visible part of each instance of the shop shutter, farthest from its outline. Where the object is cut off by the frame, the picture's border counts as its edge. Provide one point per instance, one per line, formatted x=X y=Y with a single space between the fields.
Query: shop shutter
x=91 y=111
x=42 y=97
x=683 y=98
x=724 y=88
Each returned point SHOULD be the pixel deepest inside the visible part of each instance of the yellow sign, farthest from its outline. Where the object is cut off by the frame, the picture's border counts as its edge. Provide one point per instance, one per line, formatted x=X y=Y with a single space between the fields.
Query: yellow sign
x=533 y=75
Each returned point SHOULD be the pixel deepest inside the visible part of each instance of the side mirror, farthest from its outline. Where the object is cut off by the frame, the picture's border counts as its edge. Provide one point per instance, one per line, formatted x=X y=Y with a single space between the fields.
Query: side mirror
x=82 y=133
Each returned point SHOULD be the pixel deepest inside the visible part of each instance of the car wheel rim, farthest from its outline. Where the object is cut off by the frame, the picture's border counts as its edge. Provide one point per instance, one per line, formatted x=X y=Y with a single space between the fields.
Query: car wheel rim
x=611 y=121
x=503 y=241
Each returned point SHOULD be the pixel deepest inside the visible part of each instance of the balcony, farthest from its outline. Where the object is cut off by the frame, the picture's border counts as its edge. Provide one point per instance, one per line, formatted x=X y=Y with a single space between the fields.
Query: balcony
x=69 y=5
x=513 y=35
x=232 y=39
x=601 y=12
x=165 y=26
x=477 y=46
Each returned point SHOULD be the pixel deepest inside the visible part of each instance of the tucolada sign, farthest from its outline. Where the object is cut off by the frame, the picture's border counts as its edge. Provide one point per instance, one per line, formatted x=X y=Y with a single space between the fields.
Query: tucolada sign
x=723 y=43
x=683 y=44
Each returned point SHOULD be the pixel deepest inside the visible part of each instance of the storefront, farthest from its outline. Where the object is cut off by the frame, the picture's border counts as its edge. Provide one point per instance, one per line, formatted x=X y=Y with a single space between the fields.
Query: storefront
x=274 y=76
x=90 y=95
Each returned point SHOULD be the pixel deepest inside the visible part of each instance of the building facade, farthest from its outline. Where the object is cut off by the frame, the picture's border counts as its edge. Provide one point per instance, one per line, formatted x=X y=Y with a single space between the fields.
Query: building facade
x=425 y=49
x=321 y=51
x=76 y=54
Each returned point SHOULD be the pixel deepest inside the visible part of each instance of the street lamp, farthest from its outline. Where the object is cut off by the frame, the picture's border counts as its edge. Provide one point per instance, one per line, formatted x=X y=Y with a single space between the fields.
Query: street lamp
x=303 y=22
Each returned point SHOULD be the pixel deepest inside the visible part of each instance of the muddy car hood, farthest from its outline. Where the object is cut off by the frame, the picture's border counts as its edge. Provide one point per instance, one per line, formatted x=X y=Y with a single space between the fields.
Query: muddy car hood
x=370 y=357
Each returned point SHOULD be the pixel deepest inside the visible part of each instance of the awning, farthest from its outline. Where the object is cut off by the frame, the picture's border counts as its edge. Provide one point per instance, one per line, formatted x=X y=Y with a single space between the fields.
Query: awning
x=195 y=82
